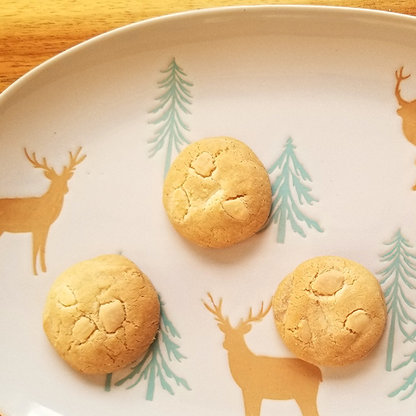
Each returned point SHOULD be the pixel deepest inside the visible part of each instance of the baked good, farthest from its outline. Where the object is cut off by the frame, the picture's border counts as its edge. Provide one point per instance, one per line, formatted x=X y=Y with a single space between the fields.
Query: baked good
x=330 y=311
x=101 y=314
x=217 y=192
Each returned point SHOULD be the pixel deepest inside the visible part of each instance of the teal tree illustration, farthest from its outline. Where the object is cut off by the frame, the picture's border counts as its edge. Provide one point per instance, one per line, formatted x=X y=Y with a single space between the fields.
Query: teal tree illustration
x=397 y=276
x=398 y=279
x=173 y=103
x=155 y=364
x=409 y=381
x=289 y=190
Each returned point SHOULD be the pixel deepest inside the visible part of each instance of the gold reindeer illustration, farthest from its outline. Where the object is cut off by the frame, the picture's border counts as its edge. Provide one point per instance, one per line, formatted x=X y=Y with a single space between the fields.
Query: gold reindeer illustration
x=407 y=110
x=36 y=214
x=263 y=377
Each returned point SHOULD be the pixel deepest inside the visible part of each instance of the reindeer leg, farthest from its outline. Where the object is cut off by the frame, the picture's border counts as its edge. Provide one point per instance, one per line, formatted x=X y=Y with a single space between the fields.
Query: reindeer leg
x=252 y=405
x=35 y=251
x=414 y=186
x=257 y=407
x=309 y=409
x=43 y=249
x=307 y=405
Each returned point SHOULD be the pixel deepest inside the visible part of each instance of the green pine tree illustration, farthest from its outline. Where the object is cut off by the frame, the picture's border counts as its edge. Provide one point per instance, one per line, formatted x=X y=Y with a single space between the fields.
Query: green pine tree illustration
x=288 y=190
x=397 y=277
x=155 y=364
x=174 y=101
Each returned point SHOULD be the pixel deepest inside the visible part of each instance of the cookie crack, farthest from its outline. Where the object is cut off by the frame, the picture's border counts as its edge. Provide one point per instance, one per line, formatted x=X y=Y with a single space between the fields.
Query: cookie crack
x=219 y=151
x=203 y=203
x=89 y=336
x=188 y=200
x=233 y=198
x=329 y=325
x=109 y=352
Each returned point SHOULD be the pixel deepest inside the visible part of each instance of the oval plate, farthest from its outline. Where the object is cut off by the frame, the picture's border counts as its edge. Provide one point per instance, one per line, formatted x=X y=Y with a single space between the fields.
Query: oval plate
x=321 y=97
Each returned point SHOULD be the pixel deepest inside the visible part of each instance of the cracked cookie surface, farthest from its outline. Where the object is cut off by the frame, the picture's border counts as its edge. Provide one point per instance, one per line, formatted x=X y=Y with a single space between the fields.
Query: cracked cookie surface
x=330 y=311
x=217 y=192
x=101 y=314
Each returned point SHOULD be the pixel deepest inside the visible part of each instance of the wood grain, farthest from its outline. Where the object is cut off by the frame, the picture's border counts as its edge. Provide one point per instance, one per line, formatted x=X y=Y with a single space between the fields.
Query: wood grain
x=31 y=32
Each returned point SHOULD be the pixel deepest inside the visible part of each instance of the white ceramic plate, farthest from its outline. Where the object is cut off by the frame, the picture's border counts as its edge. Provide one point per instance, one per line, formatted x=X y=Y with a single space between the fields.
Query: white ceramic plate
x=316 y=85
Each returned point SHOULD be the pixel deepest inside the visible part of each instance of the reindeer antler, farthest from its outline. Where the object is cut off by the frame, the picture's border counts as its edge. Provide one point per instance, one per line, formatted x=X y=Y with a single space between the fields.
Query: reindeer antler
x=36 y=164
x=216 y=310
x=262 y=313
x=74 y=161
x=397 y=91
x=399 y=75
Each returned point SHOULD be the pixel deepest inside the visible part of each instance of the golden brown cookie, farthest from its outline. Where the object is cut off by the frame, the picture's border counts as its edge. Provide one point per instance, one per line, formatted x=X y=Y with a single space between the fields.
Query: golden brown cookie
x=101 y=314
x=217 y=192
x=330 y=311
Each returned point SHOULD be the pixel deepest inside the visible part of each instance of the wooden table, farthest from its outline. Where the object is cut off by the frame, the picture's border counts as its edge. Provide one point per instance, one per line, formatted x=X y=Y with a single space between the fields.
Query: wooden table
x=33 y=31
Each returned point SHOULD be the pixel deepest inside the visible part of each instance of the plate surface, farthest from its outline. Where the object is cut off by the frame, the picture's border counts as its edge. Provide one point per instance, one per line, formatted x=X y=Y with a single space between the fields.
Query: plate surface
x=315 y=93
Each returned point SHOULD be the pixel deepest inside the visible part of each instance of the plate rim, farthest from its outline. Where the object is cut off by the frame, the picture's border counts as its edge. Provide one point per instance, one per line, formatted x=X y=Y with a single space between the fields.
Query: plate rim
x=190 y=14
x=322 y=12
